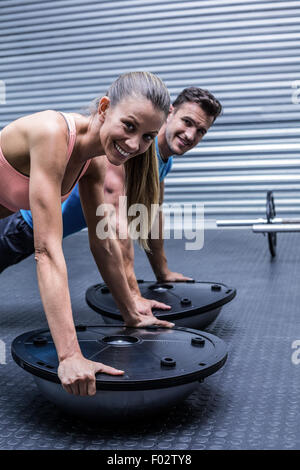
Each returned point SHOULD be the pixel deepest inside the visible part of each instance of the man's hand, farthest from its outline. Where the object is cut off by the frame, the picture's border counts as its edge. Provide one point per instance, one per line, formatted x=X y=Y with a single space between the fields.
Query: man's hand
x=170 y=276
x=145 y=306
x=77 y=374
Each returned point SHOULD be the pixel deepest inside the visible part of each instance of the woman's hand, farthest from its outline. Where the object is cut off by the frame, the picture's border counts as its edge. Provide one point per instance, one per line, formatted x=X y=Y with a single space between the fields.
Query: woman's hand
x=146 y=320
x=77 y=374
x=145 y=306
x=143 y=313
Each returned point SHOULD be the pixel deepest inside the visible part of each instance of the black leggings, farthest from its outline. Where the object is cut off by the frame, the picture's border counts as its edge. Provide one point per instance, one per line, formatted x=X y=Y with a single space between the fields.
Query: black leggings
x=16 y=240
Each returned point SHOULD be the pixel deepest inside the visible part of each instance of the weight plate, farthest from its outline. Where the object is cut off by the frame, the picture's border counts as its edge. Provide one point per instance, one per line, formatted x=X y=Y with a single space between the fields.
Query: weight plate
x=271 y=214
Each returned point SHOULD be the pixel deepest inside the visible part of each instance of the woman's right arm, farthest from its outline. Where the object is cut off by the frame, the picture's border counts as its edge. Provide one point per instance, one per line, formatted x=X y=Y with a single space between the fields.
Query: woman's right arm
x=48 y=149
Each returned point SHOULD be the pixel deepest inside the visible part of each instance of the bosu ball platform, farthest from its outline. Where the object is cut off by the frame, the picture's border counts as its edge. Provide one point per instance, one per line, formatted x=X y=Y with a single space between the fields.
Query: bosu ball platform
x=193 y=304
x=162 y=367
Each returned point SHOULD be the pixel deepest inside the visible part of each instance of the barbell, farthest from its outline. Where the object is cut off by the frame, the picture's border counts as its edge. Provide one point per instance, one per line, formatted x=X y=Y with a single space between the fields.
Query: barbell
x=270 y=225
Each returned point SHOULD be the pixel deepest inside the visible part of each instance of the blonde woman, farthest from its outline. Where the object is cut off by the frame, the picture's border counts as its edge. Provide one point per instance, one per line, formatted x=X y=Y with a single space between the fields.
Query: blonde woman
x=42 y=156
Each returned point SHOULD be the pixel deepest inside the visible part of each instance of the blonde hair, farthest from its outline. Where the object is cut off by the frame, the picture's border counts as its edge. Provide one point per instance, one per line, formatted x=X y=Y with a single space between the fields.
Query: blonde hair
x=142 y=187
x=141 y=172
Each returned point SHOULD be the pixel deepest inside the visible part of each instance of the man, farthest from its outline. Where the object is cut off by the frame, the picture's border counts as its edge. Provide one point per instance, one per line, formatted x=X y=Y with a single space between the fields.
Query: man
x=191 y=115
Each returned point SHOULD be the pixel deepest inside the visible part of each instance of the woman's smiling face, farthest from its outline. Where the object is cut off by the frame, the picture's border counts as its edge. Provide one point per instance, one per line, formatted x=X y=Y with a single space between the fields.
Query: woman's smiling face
x=128 y=128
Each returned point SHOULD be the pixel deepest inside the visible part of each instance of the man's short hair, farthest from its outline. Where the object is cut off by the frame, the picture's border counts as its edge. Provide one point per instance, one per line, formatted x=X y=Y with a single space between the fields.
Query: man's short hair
x=203 y=98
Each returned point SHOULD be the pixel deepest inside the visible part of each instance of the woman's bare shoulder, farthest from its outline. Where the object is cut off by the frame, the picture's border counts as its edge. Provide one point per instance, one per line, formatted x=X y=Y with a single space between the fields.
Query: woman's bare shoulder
x=43 y=131
x=38 y=125
x=44 y=123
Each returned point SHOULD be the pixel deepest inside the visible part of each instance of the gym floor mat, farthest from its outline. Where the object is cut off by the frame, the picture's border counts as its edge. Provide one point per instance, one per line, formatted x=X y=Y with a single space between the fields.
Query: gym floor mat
x=251 y=403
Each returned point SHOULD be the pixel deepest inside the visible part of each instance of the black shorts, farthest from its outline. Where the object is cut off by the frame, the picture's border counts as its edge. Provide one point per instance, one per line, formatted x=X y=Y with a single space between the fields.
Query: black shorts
x=16 y=240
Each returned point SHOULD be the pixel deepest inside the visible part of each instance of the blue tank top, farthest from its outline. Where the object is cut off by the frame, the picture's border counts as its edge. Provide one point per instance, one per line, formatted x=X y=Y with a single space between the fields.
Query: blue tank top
x=73 y=218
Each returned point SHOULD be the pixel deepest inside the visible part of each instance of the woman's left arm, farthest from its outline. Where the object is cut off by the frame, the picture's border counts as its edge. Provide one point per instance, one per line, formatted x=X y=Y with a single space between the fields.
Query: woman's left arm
x=106 y=251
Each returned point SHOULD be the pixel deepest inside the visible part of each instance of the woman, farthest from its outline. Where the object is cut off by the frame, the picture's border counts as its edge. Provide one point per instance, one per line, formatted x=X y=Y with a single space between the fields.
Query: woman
x=42 y=156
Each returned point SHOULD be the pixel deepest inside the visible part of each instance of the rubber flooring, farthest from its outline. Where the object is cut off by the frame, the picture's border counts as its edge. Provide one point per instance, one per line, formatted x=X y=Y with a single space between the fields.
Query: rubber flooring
x=251 y=403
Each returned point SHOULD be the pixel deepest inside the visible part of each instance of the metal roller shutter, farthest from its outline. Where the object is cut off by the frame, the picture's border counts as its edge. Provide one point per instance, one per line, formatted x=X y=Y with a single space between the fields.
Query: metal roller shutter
x=61 y=54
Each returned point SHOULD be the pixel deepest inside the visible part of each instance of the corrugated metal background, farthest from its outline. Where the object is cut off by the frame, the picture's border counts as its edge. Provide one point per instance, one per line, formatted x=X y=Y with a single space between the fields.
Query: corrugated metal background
x=61 y=54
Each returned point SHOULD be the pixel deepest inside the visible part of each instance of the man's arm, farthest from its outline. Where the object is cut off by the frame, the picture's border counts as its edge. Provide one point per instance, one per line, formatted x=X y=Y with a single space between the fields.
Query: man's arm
x=157 y=256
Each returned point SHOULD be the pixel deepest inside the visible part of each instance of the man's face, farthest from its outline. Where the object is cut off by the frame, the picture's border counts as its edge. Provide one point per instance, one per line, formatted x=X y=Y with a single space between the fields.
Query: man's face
x=185 y=127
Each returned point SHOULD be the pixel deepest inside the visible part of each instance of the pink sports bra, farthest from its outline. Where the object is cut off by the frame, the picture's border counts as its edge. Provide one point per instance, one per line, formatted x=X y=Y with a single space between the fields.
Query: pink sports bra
x=14 y=187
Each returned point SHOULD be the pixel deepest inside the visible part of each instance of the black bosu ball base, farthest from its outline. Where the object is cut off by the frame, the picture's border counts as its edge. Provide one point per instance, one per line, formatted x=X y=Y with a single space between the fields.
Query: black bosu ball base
x=193 y=304
x=162 y=367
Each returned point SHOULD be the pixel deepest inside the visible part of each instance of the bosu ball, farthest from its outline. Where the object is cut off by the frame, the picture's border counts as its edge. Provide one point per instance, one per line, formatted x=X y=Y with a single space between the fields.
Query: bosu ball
x=162 y=367
x=193 y=304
